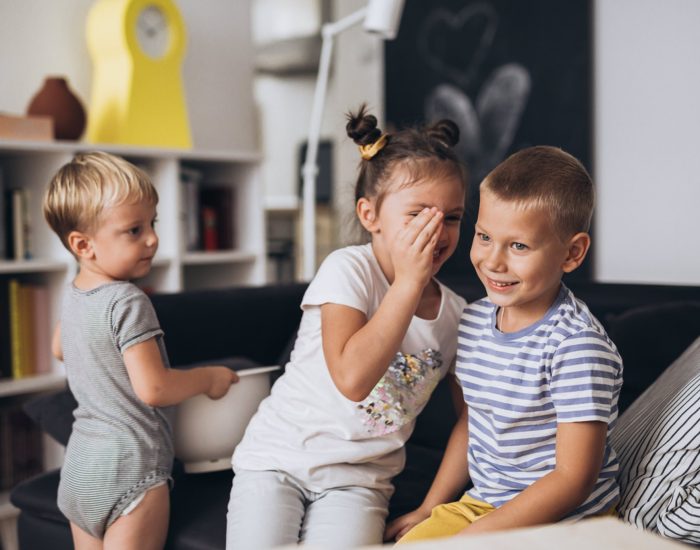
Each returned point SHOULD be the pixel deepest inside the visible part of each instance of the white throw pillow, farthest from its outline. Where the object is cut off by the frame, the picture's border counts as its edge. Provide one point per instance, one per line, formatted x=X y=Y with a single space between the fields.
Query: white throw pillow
x=658 y=443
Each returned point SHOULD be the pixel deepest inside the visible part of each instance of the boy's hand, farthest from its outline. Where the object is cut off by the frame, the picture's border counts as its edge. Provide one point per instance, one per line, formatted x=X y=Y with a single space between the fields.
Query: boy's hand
x=412 y=250
x=220 y=380
x=403 y=524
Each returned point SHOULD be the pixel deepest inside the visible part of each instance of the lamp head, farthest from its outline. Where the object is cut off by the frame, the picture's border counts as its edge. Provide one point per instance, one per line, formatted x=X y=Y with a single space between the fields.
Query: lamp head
x=383 y=17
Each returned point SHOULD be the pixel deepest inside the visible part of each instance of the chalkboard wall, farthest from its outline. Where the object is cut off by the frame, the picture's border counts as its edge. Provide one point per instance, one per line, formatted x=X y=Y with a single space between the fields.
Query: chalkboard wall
x=511 y=73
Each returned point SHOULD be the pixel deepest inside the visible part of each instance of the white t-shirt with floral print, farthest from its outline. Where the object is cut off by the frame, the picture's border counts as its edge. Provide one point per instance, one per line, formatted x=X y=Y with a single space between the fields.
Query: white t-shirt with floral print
x=308 y=429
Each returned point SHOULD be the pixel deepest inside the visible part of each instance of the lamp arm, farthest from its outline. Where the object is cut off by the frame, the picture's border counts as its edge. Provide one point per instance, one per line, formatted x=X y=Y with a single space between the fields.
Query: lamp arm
x=310 y=169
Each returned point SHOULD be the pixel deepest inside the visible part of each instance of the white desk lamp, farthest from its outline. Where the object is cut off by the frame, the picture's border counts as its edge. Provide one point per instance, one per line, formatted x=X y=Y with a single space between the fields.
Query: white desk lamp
x=381 y=17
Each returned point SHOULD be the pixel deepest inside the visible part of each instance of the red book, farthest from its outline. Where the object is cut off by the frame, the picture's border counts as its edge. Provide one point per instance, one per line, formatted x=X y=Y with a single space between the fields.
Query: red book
x=210 y=230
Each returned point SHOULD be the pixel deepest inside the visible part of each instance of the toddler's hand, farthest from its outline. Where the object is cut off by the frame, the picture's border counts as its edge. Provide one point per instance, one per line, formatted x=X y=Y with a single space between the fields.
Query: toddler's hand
x=220 y=380
x=412 y=250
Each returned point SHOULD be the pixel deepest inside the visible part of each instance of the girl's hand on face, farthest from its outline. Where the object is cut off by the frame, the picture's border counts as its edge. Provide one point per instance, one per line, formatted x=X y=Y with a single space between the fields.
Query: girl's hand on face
x=412 y=251
x=220 y=380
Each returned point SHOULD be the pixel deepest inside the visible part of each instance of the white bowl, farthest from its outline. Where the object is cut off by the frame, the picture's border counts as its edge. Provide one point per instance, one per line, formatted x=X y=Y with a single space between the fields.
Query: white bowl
x=207 y=431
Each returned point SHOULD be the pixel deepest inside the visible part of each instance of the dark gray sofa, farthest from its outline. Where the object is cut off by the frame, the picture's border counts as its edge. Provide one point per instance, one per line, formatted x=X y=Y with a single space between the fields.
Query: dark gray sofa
x=651 y=324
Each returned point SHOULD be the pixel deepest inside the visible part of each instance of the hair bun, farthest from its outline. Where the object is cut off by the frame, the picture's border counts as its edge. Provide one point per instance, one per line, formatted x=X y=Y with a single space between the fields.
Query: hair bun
x=445 y=131
x=362 y=127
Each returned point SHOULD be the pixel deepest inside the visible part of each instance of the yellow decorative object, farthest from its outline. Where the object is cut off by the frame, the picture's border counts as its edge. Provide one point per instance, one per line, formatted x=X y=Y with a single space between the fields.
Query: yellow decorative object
x=137 y=47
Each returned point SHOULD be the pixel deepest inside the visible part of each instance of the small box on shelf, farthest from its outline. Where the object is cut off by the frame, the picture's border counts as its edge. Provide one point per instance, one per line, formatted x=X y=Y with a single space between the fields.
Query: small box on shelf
x=33 y=128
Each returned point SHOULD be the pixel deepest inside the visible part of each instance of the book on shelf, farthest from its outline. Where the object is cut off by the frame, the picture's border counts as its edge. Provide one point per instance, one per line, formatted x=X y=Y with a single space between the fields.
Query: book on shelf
x=3 y=244
x=16 y=335
x=216 y=212
x=42 y=329
x=207 y=213
x=5 y=339
x=25 y=334
x=191 y=180
x=16 y=225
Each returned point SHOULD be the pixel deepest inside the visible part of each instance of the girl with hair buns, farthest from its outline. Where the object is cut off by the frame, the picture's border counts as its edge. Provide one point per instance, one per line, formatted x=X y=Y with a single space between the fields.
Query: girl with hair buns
x=377 y=334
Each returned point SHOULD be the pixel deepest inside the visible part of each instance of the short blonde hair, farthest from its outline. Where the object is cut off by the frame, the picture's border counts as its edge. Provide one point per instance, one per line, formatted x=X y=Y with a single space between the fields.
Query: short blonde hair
x=91 y=182
x=549 y=179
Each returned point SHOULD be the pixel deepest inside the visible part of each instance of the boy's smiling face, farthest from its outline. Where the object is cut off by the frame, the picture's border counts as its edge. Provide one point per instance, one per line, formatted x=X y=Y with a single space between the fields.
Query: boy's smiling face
x=520 y=259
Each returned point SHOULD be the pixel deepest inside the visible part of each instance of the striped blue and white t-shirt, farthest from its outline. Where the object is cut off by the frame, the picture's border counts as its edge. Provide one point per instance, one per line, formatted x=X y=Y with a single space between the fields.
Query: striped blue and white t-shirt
x=518 y=386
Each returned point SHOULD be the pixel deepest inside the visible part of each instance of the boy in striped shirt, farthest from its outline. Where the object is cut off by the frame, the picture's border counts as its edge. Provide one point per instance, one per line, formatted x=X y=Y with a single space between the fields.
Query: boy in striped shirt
x=540 y=376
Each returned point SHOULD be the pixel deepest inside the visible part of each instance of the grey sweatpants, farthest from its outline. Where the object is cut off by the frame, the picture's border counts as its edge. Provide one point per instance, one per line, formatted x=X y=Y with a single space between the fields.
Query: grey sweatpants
x=269 y=509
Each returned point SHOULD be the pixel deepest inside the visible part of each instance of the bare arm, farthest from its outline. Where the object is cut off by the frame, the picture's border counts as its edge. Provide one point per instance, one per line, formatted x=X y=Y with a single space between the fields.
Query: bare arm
x=450 y=479
x=358 y=350
x=158 y=386
x=56 y=348
x=580 y=448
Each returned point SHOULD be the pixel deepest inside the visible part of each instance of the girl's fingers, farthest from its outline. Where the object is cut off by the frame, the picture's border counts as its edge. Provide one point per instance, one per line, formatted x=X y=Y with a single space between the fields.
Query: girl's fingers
x=429 y=231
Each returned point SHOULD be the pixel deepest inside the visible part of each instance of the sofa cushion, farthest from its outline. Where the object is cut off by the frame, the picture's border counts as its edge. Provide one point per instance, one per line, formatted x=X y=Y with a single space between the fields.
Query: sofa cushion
x=658 y=443
x=639 y=333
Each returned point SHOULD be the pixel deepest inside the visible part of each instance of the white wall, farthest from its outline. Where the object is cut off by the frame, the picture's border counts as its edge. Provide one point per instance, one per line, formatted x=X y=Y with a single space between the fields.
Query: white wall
x=647 y=140
x=47 y=37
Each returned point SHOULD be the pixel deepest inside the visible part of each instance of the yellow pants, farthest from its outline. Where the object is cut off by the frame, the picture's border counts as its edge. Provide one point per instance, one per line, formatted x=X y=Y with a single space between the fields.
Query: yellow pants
x=448 y=519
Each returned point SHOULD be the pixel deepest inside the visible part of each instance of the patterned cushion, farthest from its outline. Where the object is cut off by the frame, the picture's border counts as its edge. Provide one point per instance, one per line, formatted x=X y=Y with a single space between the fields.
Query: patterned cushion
x=658 y=443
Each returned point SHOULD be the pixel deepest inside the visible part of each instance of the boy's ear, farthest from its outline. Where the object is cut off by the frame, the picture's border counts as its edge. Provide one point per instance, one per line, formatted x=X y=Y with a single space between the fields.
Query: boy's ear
x=80 y=245
x=367 y=213
x=578 y=248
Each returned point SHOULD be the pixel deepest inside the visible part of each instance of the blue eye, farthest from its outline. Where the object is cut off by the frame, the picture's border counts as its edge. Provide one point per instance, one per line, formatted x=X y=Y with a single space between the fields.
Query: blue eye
x=519 y=246
x=483 y=237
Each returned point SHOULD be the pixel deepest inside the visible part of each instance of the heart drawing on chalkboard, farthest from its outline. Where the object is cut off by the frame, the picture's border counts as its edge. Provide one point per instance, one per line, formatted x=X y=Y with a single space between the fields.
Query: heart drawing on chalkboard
x=455 y=45
x=488 y=124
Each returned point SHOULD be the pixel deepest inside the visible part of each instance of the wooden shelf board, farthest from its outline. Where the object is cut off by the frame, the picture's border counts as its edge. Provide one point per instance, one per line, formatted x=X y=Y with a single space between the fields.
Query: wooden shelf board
x=32 y=266
x=70 y=147
x=30 y=384
x=218 y=257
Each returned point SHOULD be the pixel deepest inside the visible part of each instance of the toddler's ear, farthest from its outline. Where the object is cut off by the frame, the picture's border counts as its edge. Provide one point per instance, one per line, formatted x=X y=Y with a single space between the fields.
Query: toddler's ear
x=80 y=245
x=578 y=248
x=367 y=213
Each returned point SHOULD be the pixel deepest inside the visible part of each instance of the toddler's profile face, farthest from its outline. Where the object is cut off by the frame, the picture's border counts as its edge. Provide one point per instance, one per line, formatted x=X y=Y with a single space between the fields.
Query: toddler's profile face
x=518 y=257
x=125 y=241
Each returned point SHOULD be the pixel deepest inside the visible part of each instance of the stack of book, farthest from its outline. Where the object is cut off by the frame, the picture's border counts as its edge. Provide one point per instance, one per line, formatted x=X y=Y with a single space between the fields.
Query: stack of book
x=207 y=213
x=14 y=223
x=25 y=333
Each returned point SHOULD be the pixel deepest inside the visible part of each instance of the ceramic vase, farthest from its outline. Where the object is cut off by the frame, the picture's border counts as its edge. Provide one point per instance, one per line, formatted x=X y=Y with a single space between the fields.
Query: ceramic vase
x=55 y=99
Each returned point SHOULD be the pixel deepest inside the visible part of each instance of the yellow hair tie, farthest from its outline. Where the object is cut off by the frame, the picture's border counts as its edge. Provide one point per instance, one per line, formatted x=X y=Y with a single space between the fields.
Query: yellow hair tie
x=371 y=149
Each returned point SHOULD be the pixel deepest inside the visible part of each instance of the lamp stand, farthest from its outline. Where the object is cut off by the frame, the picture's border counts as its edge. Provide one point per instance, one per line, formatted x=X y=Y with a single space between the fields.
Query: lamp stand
x=310 y=169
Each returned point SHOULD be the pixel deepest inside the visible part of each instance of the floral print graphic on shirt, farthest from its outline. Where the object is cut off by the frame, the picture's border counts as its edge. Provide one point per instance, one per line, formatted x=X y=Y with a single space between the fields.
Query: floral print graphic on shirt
x=402 y=392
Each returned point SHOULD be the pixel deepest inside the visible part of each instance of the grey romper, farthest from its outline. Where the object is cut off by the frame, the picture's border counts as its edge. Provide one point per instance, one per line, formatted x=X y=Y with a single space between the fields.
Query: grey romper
x=119 y=446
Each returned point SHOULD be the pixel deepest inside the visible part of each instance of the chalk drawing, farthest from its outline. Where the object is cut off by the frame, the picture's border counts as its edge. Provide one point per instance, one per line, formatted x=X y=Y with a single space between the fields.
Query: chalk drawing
x=489 y=123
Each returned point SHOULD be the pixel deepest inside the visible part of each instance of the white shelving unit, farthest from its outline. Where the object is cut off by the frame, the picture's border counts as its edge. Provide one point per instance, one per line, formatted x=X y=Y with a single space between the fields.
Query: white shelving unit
x=30 y=165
